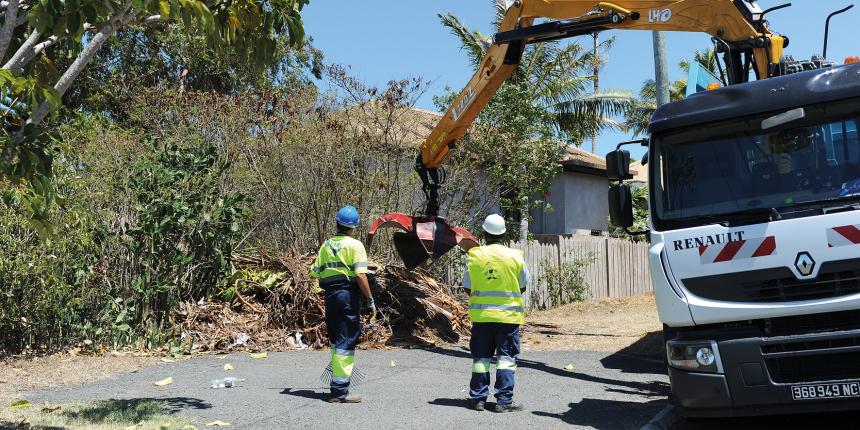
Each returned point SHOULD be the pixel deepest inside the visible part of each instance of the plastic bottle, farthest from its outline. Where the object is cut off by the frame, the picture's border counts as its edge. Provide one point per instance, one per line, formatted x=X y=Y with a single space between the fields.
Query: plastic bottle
x=226 y=382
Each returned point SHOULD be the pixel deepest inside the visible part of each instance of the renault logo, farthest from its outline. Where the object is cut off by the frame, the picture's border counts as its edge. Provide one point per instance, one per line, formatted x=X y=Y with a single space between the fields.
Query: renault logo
x=804 y=263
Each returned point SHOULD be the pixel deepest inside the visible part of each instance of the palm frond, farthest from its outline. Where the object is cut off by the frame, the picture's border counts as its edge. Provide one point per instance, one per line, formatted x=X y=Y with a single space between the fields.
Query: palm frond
x=473 y=42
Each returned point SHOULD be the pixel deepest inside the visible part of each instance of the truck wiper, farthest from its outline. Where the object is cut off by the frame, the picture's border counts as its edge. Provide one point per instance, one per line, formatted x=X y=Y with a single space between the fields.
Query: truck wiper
x=739 y=217
x=827 y=205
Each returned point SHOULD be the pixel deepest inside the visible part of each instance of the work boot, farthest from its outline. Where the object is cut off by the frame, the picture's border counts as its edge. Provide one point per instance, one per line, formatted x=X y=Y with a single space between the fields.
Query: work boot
x=510 y=407
x=349 y=398
x=477 y=405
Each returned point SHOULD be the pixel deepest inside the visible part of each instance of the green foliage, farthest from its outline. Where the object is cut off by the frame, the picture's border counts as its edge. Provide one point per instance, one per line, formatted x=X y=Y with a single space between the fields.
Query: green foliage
x=186 y=226
x=638 y=117
x=46 y=288
x=566 y=282
x=58 y=39
x=559 y=79
x=515 y=144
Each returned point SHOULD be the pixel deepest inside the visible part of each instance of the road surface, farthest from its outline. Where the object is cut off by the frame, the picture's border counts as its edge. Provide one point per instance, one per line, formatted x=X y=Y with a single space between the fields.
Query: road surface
x=424 y=389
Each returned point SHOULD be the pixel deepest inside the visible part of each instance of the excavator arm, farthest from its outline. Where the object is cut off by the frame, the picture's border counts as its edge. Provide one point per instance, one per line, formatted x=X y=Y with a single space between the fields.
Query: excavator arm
x=738 y=27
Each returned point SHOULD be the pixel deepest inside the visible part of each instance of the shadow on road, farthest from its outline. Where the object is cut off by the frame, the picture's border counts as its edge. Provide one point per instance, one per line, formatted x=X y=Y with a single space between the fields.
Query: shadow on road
x=623 y=362
x=308 y=394
x=457 y=403
x=607 y=414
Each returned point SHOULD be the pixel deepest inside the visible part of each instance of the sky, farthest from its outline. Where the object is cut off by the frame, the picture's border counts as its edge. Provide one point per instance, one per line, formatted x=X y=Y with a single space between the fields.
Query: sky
x=383 y=40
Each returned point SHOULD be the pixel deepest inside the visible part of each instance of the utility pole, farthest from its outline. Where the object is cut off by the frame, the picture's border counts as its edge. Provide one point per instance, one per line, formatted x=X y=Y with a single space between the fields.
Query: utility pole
x=596 y=83
x=661 y=68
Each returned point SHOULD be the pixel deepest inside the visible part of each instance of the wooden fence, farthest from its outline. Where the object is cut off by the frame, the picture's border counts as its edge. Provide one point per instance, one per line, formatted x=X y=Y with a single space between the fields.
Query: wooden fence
x=614 y=268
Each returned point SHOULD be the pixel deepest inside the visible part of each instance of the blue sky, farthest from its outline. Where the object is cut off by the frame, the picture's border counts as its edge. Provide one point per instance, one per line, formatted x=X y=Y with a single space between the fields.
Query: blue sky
x=392 y=39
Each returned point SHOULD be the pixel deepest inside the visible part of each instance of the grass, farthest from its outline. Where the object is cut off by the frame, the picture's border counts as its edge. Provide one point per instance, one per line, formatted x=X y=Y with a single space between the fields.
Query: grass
x=137 y=414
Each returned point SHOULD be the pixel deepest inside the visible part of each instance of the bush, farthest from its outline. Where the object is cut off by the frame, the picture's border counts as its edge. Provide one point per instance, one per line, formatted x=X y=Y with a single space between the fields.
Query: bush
x=566 y=282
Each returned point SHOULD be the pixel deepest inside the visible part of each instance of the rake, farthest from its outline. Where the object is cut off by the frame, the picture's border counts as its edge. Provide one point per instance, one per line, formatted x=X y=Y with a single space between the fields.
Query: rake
x=357 y=376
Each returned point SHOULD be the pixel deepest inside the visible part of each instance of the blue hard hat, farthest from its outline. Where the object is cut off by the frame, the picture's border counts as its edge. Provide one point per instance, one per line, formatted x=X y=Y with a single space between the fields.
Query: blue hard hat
x=347 y=216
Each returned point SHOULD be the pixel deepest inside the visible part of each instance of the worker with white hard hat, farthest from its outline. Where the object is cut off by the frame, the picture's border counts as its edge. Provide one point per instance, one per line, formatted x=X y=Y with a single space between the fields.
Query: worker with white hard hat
x=496 y=277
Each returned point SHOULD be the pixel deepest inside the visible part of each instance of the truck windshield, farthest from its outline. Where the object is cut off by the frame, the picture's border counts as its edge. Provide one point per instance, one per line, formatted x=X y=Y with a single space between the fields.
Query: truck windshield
x=737 y=168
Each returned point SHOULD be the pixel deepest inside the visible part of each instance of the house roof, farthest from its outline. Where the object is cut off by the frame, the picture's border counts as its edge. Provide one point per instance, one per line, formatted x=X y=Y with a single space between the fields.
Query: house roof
x=575 y=159
x=405 y=127
x=573 y=156
x=639 y=171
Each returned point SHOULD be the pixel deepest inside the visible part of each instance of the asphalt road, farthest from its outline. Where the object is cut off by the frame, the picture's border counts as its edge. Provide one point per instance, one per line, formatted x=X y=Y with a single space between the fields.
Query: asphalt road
x=424 y=389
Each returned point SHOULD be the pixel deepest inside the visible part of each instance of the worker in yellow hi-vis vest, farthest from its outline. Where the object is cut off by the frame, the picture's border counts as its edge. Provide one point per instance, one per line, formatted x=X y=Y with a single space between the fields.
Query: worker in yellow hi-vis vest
x=496 y=277
x=341 y=268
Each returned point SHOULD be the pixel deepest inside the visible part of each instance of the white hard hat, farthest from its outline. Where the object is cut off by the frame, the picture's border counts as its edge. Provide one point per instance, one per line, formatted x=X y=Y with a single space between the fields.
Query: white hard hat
x=495 y=225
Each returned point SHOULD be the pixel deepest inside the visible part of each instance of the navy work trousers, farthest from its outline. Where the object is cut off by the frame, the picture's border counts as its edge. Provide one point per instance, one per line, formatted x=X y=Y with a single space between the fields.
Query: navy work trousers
x=503 y=342
x=342 y=307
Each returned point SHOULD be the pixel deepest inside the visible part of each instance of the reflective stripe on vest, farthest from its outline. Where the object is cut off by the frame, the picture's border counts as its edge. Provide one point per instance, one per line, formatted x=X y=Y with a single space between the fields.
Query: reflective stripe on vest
x=494 y=272
x=498 y=307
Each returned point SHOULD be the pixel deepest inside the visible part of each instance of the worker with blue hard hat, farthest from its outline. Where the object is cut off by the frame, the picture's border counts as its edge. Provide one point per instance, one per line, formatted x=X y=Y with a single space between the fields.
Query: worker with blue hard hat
x=341 y=268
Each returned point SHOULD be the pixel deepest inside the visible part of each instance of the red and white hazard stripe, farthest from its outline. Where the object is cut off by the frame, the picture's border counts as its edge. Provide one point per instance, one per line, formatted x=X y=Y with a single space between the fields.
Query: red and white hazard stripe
x=738 y=250
x=843 y=236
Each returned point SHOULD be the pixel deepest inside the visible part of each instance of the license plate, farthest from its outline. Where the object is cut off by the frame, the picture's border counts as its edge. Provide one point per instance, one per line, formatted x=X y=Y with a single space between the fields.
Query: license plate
x=826 y=391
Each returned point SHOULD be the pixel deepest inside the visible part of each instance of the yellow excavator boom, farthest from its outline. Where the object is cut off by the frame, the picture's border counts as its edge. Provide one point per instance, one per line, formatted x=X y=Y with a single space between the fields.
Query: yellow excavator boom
x=739 y=23
x=737 y=26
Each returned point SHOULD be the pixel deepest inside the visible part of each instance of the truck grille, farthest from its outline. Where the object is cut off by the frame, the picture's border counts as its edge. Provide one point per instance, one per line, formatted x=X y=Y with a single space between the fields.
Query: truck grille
x=814 y=368
x=836 y=279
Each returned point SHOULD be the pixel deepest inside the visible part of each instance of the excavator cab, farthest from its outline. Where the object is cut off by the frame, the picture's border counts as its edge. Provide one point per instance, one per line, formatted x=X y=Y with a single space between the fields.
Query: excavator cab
x=420 y=238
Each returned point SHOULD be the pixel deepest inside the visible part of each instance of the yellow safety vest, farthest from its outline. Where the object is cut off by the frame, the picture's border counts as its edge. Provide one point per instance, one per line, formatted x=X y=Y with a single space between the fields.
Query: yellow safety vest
x=494 y=272
x=340 y=259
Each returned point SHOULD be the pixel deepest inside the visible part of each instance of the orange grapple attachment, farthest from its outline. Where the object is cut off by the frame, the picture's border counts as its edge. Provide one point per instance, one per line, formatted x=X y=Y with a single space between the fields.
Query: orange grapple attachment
x=422 y=238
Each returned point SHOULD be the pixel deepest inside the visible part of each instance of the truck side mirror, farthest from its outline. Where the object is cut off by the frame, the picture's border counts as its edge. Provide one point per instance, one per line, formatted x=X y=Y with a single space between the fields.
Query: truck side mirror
x=618 y=165
x=621 y=205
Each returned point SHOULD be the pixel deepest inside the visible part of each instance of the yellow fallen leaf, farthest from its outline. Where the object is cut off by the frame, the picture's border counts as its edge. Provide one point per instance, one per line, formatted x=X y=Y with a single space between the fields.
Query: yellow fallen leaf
x=568 y=367
x=228 y=367
x=218 y=423
x=391 y=364
x=20 y=404
x=163 y=382
x=260 y=355
x=167 y=360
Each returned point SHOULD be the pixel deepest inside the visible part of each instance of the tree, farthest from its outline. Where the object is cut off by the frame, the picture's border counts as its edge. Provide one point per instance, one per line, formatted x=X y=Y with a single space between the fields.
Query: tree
x=559 y=79
x=36 y=35
x=639 y=116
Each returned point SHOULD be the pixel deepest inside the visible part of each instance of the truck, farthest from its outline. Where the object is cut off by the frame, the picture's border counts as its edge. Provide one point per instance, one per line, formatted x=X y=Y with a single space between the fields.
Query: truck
x=754 y=195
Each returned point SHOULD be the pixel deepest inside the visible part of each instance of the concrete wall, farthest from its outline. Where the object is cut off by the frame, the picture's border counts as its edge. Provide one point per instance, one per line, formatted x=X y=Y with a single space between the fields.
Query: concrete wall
x=578 y=202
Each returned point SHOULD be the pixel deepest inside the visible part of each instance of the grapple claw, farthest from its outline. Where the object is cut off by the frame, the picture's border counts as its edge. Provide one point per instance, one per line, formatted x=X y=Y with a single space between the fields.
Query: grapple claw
x=422 y=238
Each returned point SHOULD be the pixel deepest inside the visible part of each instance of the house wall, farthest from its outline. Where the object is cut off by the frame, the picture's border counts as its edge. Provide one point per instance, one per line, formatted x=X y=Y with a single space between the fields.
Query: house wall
x=578 y=201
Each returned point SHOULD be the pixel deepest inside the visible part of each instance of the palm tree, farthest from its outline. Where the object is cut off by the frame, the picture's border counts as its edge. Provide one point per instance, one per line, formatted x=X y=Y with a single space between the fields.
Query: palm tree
x=560 y=79
x=639 y=117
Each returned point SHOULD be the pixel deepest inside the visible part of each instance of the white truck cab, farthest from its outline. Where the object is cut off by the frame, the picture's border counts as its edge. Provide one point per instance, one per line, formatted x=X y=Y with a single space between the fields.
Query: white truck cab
x=755 y=243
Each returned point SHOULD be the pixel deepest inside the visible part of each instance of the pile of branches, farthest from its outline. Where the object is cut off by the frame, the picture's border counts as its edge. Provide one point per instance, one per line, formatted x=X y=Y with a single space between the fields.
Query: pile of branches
x=272 y=298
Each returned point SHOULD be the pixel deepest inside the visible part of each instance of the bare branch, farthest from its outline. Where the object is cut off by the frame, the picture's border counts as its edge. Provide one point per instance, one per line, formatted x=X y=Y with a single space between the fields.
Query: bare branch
x=26 y=48
x=65 y=81
x=9 y=25
x=51 y=41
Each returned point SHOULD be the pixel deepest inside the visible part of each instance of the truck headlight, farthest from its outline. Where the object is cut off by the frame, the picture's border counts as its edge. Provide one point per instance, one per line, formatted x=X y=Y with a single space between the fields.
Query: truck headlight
x=695 y=356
